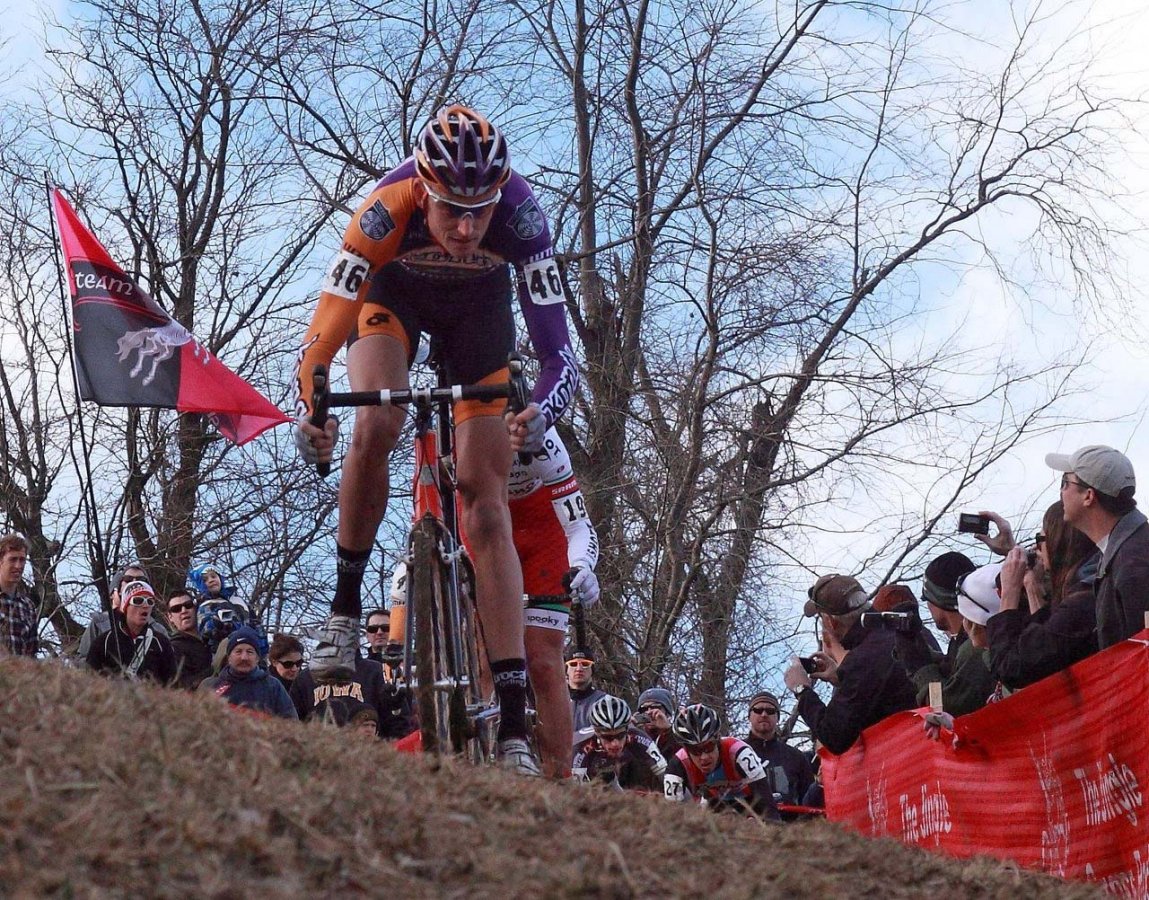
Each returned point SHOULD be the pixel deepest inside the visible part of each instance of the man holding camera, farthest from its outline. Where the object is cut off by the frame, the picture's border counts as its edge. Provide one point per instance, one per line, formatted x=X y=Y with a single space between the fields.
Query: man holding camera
x=869 y=684
x=1097 y=492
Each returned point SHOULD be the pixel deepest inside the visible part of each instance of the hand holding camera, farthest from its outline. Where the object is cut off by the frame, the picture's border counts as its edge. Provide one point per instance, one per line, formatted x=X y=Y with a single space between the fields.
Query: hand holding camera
x=1013 y=572
x=904 y=621
x=827 y=667
x=978 y=524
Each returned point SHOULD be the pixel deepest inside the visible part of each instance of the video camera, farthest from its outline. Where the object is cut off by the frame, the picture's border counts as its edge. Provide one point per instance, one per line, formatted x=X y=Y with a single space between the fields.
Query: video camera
x=906 y=622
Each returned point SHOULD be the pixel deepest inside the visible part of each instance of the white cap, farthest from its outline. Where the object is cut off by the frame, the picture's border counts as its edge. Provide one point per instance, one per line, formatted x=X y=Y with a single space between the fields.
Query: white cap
x=978 y=597
x=399 y=585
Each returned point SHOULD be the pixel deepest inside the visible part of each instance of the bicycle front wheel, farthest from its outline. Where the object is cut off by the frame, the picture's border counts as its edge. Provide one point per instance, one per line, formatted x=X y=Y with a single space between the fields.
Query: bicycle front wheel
x=426 y=615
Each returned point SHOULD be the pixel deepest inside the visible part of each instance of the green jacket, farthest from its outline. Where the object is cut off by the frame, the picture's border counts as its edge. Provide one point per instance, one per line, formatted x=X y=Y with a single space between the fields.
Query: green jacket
x=968 y=686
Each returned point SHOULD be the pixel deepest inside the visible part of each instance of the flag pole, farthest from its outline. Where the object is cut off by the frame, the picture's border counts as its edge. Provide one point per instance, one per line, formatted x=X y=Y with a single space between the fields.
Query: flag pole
x=91 y=516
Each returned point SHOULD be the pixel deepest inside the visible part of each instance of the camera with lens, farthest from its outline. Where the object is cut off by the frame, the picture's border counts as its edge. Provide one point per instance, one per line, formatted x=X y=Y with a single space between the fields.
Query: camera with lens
x=1030 y=558
x=906 y=622
x=639 y=719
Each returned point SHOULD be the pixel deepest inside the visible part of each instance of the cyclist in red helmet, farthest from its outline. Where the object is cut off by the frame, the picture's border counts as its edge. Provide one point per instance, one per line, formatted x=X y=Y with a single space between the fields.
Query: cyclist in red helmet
x=430 y=251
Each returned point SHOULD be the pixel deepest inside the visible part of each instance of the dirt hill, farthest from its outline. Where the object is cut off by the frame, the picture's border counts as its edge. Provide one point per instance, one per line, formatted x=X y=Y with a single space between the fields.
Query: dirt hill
x=118 y=790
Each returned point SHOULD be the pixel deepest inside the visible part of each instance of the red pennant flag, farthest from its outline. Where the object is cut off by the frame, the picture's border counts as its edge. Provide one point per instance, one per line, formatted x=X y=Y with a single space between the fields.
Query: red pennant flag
x=130 y=352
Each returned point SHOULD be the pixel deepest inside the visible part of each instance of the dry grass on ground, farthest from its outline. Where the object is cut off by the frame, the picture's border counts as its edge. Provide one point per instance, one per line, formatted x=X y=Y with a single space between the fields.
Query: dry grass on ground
x=117 y=790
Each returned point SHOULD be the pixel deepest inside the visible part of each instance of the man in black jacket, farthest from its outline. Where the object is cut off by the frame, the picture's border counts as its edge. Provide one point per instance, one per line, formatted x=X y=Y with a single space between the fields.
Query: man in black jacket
x=787 y=767
x=369 y=686
x=193 y=657
x=1097 y=492
x=580 y=683
x=869 y=684
x=130 y=647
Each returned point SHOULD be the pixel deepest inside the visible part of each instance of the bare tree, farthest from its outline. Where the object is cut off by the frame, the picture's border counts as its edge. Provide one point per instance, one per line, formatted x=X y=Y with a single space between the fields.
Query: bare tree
x=748 y=203
x=752 y=197
x=164 y=136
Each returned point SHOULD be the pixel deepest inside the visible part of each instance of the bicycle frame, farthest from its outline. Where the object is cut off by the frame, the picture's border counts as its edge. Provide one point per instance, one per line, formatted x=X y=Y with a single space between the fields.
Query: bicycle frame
x=440 y=630
x=441 y=637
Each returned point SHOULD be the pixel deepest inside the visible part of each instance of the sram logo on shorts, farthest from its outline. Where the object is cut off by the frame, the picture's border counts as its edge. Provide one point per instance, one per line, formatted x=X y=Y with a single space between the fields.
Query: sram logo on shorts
x=376 y=222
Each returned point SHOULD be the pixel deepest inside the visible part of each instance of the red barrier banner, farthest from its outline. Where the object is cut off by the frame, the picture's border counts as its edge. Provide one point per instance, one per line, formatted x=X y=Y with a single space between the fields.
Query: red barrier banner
x=1052 y=777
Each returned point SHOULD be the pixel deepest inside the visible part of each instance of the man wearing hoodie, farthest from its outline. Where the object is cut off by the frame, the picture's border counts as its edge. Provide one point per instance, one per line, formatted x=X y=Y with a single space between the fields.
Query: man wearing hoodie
x=243 y=683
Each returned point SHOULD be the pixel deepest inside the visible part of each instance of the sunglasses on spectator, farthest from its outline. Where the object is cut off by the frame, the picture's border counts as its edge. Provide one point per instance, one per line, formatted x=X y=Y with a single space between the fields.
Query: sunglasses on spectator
x=457 y=210
x=579 y=663
x=1039 y=539
x=375 y=629
x=1066 y=482
x=291 y=663
x=181 y=607
x=702 y=749
x=142 y=601
x=764 y=710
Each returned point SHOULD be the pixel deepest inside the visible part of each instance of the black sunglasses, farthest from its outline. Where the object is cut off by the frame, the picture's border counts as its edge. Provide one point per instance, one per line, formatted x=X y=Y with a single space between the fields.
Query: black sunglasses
x=375 y=629
x=291 y=663
x=182 y=607
x=764 y=710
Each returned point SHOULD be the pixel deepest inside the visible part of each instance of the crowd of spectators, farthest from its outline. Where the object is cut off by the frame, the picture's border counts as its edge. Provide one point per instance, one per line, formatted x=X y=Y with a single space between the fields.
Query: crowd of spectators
x=1081 y=586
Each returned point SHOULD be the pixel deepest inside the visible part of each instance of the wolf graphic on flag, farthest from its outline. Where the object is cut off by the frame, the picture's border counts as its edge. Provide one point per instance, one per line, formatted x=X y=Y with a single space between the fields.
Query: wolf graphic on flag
x=130 y=352
x=154 y=345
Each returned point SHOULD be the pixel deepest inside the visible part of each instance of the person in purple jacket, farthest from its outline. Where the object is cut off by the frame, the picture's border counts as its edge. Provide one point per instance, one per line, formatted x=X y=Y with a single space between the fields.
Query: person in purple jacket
x=430 y=251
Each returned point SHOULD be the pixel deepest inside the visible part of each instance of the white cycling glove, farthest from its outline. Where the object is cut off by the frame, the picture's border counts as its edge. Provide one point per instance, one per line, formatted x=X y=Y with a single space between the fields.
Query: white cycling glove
x=536 y=431
x=307 y=451
x=584 y=587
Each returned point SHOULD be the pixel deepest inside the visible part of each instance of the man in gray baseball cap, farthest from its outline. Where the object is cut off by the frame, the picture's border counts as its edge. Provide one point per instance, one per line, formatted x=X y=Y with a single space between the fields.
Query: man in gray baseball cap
x=1097 y=491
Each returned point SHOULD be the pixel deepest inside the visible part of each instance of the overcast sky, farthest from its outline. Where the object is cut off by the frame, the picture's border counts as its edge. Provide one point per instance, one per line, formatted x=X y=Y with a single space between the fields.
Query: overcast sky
x=1117 y=32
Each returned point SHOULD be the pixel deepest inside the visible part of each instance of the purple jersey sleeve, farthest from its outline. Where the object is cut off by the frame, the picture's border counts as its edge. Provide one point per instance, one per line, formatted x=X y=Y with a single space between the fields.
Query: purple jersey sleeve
x=520 y=235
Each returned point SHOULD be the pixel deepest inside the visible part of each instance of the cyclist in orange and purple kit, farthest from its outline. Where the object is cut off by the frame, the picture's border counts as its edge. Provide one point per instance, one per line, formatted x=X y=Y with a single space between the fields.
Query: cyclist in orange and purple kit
x=430 y=250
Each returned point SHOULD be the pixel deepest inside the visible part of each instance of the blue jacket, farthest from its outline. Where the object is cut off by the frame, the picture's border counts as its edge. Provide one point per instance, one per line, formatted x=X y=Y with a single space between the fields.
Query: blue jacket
x=256 y=690
x=195 y=576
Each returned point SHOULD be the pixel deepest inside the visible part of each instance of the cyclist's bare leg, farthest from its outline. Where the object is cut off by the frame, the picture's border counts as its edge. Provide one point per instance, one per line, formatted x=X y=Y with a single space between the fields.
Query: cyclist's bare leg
x=483 y=451
x=374 y=362
x=555 y=729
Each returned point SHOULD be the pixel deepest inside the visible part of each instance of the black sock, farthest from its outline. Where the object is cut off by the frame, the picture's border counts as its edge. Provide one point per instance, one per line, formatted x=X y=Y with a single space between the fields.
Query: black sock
x=510 y=677
x=349 y=567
